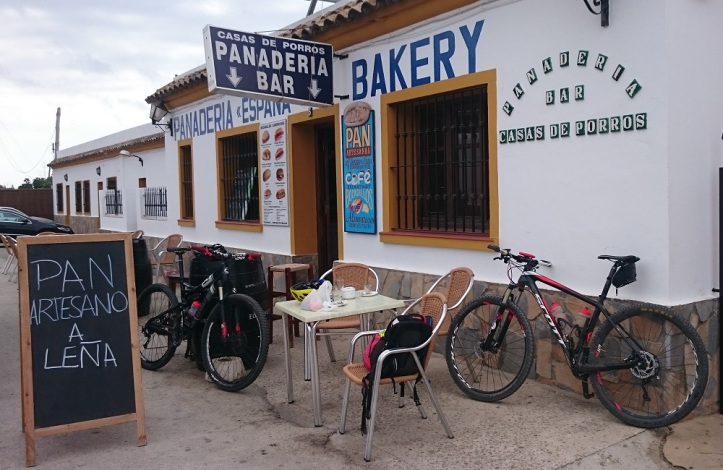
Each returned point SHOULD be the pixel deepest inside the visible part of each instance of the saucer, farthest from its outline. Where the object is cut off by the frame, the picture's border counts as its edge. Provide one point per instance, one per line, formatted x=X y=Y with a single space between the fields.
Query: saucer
x=369 y=294
x=340 y=303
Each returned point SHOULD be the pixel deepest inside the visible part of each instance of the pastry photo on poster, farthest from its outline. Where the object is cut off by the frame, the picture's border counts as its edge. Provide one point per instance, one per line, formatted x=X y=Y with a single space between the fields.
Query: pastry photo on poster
x=274 y=173
x=358 y=165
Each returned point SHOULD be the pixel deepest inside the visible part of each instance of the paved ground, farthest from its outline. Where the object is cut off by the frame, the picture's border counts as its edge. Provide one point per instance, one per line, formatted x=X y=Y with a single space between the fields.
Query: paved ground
x=190 y=425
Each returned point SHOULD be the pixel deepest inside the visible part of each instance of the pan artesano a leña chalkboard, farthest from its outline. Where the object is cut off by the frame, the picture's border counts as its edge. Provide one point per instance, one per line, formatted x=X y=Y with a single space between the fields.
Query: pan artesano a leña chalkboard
x=82 y=331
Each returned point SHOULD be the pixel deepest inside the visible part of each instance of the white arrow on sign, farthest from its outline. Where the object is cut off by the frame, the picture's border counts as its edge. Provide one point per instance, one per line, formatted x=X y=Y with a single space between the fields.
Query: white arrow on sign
x=233 y=77
x=314 y=89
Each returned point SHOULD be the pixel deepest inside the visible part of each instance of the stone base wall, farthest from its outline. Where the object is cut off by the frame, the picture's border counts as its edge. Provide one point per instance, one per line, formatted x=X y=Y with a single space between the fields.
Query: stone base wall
x=550 y=365
x=81 y=224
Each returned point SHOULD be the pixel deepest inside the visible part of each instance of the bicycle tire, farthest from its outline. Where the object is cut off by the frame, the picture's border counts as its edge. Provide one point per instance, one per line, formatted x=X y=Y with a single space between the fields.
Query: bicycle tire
x=675 y=378
x=489 y=376
x=235 y=362
x=156 y=317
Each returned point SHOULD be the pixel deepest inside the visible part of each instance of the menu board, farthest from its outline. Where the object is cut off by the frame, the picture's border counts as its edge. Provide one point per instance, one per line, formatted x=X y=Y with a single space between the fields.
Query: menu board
x=274 y=173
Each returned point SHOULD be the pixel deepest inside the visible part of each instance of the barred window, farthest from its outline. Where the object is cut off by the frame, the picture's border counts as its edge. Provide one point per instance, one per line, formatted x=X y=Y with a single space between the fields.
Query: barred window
x=86 y=196
x=238 y=174
x=59 y=198
x=186 y=176
x=441 y=163
x=155 y=202
x=78 y=197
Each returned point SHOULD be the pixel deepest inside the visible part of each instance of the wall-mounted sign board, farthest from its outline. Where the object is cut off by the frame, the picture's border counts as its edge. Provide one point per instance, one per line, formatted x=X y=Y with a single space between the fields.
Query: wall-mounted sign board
x=268 y=67
x=80 y=362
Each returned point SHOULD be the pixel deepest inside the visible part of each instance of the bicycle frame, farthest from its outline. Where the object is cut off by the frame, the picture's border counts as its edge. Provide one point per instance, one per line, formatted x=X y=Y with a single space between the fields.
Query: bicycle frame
x=576 y=354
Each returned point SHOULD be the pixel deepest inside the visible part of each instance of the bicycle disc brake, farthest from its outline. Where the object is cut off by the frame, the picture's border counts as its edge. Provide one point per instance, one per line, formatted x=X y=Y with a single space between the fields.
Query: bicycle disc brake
x=648 y=367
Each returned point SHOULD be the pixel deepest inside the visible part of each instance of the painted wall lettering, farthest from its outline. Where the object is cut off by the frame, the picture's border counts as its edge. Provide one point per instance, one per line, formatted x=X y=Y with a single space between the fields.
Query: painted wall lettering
x=429 y=60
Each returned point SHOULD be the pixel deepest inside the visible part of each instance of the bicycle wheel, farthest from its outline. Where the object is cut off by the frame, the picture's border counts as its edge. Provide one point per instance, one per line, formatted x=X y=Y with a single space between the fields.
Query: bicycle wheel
x=671 y=380
x=489 y=373
x=233 y=362
x=156 y=322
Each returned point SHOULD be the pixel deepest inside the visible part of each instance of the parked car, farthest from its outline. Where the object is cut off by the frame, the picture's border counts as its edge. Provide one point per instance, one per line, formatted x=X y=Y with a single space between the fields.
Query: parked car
x=14 y=222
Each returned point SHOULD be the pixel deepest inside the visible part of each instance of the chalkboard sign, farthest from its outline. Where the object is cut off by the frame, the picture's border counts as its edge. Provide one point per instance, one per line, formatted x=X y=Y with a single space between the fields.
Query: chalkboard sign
x=79 y=347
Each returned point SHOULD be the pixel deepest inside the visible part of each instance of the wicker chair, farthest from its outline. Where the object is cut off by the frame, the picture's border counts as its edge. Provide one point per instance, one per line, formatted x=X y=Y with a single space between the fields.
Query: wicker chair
x=13 y=244
x=165 y=260
x=432 y=304
x=455 y=285
x=356 y=275
x=7 y=241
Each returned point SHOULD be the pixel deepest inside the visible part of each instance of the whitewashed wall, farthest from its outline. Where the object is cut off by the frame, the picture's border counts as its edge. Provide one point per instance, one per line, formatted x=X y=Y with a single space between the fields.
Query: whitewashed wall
x=647 y=192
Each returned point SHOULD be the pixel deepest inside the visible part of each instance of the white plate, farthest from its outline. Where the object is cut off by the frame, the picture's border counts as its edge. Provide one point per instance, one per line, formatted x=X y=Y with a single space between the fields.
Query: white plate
x=340 y=303
x=369 y=294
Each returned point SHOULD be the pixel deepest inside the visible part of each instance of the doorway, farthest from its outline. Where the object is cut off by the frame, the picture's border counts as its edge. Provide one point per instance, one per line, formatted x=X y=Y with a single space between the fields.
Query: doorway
x=313 y=172
x=326 y=197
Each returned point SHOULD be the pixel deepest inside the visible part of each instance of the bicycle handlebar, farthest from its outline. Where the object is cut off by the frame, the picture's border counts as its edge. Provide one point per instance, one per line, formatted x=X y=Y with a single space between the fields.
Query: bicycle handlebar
x=523 y=258
x=218 y=251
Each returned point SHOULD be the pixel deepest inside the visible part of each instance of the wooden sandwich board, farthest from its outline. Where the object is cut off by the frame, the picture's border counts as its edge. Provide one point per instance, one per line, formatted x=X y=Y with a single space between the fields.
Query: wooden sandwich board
x=79 y=356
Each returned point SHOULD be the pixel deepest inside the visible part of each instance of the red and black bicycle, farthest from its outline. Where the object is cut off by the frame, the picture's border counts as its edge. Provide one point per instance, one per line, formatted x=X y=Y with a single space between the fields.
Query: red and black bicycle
x=647 y=365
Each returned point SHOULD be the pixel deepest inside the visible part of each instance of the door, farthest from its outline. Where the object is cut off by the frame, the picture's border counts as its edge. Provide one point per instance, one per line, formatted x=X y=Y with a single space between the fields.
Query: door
x=326 y=197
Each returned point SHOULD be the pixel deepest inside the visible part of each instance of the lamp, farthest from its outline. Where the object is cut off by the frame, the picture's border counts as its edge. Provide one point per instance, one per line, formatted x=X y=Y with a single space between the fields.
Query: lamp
x=158 y=112
x=126 y=153
x=604 y=10
x=65 y=177
x=97 y=170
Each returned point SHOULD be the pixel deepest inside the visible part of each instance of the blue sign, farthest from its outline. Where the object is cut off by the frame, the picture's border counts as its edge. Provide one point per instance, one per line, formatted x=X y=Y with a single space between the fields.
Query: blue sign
x=359 y=174
x=275 y=68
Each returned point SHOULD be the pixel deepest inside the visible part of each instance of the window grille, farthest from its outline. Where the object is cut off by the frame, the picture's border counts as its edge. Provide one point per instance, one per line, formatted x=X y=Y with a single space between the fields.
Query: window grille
x=86 y=196
x=113 y=202
x=186 y=182
x=78 y=198
x=155 y=202
x=59 y=198
x=239 y=178
x=441 y=163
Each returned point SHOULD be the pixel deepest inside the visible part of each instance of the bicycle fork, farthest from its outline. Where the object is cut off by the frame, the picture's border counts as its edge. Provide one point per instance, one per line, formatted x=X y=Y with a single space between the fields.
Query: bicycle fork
x=224 y=321
x=499 y=324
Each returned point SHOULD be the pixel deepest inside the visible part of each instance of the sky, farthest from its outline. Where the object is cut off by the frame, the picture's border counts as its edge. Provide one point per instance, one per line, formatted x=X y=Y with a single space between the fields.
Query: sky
x=98 y=60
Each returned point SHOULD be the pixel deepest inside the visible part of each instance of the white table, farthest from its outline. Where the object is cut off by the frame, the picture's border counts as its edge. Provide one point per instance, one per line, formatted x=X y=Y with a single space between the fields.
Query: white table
x=358 y=306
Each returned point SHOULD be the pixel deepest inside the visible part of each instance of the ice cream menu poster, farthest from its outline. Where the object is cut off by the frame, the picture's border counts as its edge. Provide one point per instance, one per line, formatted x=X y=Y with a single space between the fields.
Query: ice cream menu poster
x=359 y=176
x=274 y=175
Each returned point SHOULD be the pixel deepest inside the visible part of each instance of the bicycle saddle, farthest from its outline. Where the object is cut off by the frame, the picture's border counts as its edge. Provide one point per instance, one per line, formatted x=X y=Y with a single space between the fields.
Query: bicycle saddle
x=622 y=259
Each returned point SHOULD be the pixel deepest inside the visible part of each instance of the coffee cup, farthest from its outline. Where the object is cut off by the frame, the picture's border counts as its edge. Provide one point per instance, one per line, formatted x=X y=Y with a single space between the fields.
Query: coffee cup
x=348 y=292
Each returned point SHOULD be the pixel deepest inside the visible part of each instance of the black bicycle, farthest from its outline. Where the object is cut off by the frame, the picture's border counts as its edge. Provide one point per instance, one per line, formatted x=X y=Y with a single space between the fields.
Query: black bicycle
x=647 y=365
x=227 y=335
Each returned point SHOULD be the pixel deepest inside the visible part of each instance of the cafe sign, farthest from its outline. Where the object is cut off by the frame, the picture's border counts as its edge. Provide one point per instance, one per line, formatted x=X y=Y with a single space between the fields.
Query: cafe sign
x=359 y=176
x=274 y=68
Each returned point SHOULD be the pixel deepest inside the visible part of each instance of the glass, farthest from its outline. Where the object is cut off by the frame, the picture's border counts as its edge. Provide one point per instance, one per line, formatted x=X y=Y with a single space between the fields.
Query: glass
x=336 y=289
x=368 y=286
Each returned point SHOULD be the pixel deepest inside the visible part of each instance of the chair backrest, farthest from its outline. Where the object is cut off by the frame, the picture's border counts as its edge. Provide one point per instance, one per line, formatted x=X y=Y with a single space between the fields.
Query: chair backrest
x=6 y=244
x=13 y=246
x=431 y=304
x=459 y=283
x=160 y=251
x=355 y=275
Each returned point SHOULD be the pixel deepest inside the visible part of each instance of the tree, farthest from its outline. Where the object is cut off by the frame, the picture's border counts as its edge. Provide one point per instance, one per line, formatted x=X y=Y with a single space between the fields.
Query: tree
x=26 y=184
x=42 y=183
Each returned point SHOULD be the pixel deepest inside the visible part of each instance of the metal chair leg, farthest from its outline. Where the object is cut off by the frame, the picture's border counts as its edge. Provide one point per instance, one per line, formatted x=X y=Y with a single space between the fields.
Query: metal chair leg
x=344 y=406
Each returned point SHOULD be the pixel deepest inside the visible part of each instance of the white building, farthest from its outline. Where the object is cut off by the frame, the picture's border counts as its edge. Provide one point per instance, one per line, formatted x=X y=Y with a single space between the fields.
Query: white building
x=520 y=123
